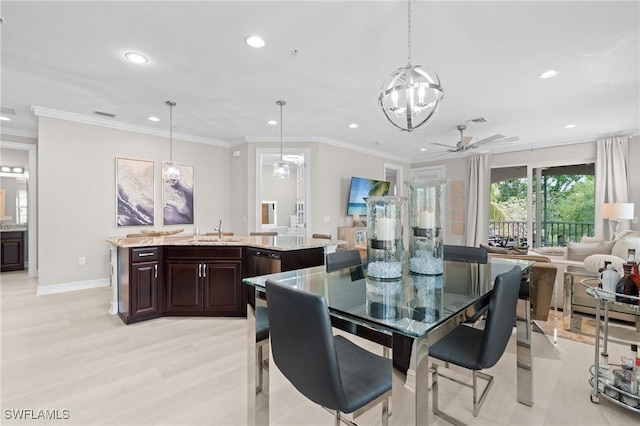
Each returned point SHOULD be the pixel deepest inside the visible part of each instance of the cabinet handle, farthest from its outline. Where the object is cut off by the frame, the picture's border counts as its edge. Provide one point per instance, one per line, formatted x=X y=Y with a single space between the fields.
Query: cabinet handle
x=156 y=266
x=145 y=254
x=200 y=270
x=204 y=271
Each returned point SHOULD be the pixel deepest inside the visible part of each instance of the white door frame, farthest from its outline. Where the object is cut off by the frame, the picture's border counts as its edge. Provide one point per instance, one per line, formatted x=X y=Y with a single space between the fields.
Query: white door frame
x=32 y=186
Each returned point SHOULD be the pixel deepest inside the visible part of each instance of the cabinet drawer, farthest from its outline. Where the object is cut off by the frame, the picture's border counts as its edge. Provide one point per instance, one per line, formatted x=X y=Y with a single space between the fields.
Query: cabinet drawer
x=201 y=253
x=144 y=254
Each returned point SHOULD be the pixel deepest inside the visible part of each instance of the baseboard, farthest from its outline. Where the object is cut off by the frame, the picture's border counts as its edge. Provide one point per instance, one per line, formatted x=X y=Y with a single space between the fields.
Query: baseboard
x=73 y=286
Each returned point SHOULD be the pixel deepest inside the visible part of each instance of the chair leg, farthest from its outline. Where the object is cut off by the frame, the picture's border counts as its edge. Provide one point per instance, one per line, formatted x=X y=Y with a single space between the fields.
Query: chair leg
x=385 y=412
x=477 y=402
x=260 y=368
x=337 y=418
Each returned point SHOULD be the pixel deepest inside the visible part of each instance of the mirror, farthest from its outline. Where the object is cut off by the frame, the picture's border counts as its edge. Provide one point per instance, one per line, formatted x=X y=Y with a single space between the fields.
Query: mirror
x=269 y=213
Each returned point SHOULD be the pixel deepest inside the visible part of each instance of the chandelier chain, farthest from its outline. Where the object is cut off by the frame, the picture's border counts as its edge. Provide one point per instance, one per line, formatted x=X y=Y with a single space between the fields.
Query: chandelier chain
x=409 y=32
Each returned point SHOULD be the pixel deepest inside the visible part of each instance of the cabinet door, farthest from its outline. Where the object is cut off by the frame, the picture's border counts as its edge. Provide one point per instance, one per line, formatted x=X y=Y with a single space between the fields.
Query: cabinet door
x=12 y=251
x=144 y=288
x=223 y=288
x=183 y=286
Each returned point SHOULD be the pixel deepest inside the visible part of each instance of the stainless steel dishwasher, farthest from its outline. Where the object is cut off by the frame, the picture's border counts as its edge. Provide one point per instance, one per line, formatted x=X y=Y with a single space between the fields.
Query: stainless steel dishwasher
x=262 y=262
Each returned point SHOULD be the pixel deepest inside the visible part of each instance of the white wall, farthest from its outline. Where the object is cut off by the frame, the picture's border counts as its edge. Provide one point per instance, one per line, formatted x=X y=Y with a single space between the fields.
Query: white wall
x=76 y=193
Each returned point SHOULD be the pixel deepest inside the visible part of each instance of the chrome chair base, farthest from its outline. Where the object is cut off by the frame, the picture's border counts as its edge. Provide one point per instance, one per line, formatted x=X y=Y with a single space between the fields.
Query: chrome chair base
x=342 y=417
x=477 y=402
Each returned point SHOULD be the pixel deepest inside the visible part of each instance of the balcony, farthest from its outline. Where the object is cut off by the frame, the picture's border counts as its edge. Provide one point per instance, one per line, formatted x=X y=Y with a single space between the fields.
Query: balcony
x=508 y=233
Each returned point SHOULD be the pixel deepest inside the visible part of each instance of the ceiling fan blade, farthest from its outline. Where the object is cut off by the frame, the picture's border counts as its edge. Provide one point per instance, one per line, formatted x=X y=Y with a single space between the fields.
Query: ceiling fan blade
x=489 y=139
x=505 y=141
x=441 y=144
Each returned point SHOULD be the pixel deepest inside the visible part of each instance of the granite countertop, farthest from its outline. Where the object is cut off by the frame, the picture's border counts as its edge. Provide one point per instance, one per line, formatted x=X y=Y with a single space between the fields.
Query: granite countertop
x=278 y=243
x=12 y=228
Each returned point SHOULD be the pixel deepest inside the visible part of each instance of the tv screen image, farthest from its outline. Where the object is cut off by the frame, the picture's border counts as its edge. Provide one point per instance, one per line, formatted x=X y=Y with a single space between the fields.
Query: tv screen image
x=362 y=188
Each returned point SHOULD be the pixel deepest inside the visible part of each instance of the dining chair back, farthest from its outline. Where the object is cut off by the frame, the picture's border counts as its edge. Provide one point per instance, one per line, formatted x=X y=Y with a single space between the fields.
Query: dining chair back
x=342 y=259
x=465 y=254
x=321 y=236
x=264 y=234
x=329 y=370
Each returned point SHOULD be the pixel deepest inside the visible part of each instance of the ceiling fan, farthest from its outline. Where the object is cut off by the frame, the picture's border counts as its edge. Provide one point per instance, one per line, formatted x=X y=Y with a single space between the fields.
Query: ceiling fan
x=465 y=144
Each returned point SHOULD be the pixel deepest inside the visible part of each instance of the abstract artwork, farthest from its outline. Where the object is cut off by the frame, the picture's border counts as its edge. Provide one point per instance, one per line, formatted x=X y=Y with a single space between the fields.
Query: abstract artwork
x=177 y=196
x=135 y=192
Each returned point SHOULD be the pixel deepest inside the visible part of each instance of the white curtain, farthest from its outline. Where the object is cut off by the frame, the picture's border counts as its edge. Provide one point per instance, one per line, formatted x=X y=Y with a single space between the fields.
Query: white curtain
x=478 y=203
x=611 y=180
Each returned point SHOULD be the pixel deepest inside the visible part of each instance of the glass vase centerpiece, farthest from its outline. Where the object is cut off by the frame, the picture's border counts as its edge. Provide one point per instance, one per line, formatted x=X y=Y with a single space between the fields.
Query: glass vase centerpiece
x=384 y=237
x=426 y=216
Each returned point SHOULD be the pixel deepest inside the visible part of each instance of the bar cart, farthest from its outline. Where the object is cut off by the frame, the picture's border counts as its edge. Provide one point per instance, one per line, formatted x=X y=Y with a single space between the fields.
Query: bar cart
x=606 y=385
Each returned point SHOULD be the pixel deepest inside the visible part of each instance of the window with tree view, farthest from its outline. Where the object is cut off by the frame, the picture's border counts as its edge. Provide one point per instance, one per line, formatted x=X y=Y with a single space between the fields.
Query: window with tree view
x=563 y=205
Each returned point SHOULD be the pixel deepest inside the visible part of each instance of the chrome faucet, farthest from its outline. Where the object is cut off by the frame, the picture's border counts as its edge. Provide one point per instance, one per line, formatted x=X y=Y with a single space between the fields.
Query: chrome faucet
x=219 y=228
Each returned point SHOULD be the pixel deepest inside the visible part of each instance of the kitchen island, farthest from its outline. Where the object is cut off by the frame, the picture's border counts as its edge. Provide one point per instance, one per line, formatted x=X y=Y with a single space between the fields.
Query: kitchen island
x=197 y=275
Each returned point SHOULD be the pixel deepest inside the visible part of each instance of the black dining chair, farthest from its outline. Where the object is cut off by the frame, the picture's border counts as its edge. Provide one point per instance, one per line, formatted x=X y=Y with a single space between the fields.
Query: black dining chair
x=477 y=349
x=465 y=254
x=328 y=370
x=263 y=234
x=342 y=259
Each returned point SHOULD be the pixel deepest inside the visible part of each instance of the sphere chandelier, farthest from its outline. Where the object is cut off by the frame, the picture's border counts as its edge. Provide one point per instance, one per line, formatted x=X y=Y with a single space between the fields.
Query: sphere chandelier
x=411 y=95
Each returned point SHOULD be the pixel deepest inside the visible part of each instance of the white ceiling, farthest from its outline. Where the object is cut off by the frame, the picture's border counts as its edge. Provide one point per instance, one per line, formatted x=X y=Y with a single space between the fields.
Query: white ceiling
x=68 y=56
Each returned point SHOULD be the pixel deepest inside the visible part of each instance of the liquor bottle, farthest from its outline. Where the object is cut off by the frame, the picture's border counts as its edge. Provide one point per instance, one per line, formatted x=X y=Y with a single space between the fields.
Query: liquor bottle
x=627 y=286
x=635 y=271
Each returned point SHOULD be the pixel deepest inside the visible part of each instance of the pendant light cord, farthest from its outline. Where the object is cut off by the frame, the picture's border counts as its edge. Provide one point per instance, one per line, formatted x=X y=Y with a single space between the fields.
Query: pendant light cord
x=409 y=32
x=281 y=103
x=171 y=105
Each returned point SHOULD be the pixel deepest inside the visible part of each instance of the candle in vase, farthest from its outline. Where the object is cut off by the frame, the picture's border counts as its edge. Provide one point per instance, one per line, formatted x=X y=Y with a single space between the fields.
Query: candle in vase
x=426 y=219
x=356 y=219
x=385 y=228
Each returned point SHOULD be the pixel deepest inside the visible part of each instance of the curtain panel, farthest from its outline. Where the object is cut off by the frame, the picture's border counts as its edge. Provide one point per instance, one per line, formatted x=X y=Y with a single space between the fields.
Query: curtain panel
x=611 y=180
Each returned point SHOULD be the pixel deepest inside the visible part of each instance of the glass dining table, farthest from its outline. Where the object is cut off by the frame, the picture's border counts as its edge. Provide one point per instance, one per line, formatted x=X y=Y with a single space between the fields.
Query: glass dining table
x=405 y=315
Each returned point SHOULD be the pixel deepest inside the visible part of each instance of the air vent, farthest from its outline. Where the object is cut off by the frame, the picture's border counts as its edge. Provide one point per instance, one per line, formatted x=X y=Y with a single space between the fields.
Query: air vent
x=480 y=120
x=8 y=111
x=104 y=114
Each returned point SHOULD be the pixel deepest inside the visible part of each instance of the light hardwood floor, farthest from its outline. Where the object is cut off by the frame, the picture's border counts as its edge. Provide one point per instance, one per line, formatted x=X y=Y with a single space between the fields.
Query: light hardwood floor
x=66 y=352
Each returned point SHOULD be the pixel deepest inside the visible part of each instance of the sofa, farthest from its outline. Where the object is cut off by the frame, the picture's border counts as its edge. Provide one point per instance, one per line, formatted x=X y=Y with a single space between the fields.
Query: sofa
x=591 y=254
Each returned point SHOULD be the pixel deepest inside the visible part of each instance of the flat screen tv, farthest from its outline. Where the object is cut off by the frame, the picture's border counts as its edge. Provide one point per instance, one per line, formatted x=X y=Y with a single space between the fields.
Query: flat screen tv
x=362 y=188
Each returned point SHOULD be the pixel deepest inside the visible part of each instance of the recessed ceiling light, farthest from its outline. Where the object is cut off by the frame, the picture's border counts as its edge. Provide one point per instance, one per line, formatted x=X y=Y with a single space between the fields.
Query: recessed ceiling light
x=569 y=126
x=255 y=41
x=5 y=169
x=17 y=170
x=353 y=126
x=136 y=58
x=272 y=122
x=152 y=118
x=549 y=74
x=3 y=118
x=423 y=149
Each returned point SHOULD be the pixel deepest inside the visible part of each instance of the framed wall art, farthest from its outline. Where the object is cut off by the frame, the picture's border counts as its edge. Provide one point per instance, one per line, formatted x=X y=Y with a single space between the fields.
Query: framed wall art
x=177 y=196
x=134 y=192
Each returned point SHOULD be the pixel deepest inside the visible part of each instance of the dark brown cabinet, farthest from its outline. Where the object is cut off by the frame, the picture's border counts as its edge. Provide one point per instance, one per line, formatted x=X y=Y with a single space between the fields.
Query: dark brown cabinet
x=140 y=275
x=12 y=251
x=204 y=281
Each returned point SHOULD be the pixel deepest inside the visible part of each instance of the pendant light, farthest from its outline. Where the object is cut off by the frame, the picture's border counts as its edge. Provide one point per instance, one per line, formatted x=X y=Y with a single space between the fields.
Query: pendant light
x=281 y=168
x=172 y=171
x=410 y=96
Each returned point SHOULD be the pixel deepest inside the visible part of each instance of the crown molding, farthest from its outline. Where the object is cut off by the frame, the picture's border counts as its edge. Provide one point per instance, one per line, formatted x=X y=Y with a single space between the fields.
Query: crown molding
x=319 y=139
x=118 y=125
x=18 y=132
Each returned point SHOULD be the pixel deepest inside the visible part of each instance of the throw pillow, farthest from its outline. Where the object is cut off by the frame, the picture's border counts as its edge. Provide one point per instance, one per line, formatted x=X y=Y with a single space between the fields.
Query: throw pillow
x=621 y=245
x=594 y=262
x=550 y=251
x=587 y=239
x=506 y=250
x=579 y=251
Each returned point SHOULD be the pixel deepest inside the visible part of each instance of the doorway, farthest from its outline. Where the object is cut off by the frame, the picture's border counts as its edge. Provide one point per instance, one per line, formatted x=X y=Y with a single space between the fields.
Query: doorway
x=292 y=196
x=31 y=200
